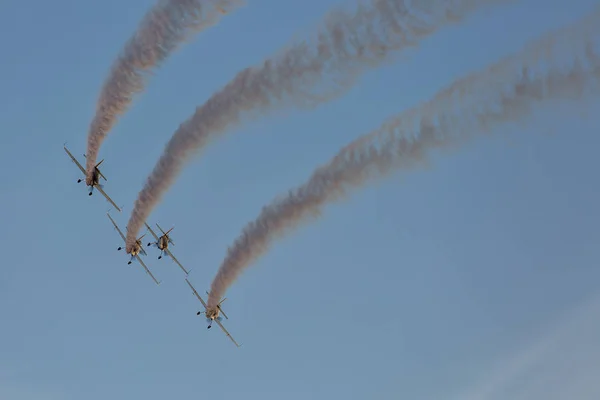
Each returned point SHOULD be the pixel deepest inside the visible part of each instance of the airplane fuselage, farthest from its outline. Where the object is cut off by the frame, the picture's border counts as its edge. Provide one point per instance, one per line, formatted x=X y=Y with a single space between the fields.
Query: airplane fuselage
x=163 y=242
x=136 y=248
x=94 y=180
x=212 y=313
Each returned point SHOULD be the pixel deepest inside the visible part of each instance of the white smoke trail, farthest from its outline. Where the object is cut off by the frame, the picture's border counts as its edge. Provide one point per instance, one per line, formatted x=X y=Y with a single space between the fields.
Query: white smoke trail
x=164 y=28
x=346 y=45
x=471 y=106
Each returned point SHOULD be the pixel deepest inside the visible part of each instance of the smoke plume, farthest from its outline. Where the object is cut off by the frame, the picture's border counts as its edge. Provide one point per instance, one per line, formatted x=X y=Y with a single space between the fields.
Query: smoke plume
x=304 y=74
x=166 y=26
x=471 y=106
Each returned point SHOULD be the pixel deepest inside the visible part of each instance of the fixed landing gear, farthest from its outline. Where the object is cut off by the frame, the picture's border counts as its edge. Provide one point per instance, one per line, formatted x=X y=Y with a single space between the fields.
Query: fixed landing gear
x=211 y=321
x=159 y=257
x=119 y=248
x=129 y=262
x=79 y=180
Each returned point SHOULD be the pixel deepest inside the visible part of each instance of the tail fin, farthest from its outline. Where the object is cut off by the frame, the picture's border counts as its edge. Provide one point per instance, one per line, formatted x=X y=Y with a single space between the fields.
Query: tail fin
x=98 y=169
x=221 y=309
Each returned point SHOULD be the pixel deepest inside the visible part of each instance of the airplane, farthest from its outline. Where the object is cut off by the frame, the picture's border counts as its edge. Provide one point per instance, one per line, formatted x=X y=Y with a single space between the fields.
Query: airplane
x=95 y=181
x=212 y=314
x=162 y=243
x=137 y=249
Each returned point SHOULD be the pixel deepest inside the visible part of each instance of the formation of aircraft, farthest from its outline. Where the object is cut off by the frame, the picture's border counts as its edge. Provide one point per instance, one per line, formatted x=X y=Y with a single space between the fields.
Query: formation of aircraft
x=162 y=243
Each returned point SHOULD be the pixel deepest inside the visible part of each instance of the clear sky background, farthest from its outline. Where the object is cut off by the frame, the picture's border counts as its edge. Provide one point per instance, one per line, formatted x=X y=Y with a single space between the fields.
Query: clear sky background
x=445 y=283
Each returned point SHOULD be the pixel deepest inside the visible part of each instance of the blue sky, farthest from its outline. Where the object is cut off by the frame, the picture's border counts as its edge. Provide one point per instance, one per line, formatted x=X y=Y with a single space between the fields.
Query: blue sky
x=428 y=285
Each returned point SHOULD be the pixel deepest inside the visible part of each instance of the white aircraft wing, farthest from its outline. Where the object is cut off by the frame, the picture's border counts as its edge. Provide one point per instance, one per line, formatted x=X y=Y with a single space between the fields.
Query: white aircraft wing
x=227 y=333
x=174 y=259
x=147 y=270
x=116 y=227
x=223 y=312
x=108 y=198
x=196 y=293
x=151 y=231
x=75 y=160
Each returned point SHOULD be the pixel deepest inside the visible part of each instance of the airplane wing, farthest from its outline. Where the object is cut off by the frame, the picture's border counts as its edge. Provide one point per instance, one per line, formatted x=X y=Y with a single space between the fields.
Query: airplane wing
x=196 y=293
x=174 y=259
x=107 y=198
x=151 y=231
x=147 y=270
x=227 y=333
x=75 y=160
x=116 y=227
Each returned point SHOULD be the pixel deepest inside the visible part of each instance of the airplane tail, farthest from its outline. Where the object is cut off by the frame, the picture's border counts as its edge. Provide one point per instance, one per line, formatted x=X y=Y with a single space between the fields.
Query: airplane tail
x=219 y=305
x=99 y=172
x=170 y=240
x=166 y=234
